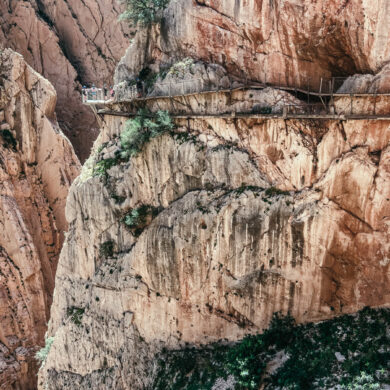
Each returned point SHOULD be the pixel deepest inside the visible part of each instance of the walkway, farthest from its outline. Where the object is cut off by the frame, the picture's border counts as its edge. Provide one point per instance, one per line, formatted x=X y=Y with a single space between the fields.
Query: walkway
x=243 y=115
x=325 y=108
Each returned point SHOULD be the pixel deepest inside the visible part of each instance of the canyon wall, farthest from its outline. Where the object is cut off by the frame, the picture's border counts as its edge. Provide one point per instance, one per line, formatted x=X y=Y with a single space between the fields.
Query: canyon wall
x=224 y=249
x=37 y=166
x=290 y=42
x=70 y=43
x=237 y=218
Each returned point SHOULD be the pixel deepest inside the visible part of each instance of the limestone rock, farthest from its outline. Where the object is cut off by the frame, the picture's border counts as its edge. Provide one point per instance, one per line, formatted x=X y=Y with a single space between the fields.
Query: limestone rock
x=225 y=249
x=37 y=166
x=281 y=42
x=69 y=43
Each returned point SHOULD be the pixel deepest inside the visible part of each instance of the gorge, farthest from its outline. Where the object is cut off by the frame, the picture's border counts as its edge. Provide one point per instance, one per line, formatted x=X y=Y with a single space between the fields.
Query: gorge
x=239 y=186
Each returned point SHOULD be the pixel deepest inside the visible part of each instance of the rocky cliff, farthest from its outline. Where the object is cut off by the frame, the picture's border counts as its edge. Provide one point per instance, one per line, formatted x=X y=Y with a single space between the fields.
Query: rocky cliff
x=199 y=233
x=70 y=43
x=221 y=249
x=37 y=166
x=289 y=42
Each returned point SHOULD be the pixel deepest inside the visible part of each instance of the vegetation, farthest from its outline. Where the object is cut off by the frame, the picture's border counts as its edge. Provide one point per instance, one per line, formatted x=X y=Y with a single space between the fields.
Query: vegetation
x=273 y=191
x=8 y=139
x=141 y=129
x=75 y=314
x=310 y=350
x=144 y=12
x=136 y=219
x=41 y=355
x=106 y=249
x=180 y=68
x=102 y=166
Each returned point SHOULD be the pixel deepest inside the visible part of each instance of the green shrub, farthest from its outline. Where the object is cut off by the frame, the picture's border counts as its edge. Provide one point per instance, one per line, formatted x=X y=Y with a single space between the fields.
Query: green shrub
x=41 y=355
x=137 y=217
x=144 y=12
x=179 y=69
x=75 y=314
x=102 y=166
x=141 y=129
x=273 y=191
x=363 y=339
x=362 y=382
x=9 y=140
x=106 y=249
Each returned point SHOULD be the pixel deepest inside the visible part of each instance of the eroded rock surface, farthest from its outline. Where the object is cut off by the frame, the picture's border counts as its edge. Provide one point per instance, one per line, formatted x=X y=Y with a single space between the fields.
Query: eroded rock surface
x=225 y=248
x=69 y=43
x=37 y=166
x=289 y=42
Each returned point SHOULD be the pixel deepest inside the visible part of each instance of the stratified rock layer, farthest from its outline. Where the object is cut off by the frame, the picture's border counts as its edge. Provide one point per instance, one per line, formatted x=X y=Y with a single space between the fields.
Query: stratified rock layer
x=37 y=166
x=226 y=249
x=69 y=43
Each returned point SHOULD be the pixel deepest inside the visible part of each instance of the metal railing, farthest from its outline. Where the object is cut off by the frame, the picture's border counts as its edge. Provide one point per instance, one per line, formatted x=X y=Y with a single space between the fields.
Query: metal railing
x=93 y=95
x=334 y=86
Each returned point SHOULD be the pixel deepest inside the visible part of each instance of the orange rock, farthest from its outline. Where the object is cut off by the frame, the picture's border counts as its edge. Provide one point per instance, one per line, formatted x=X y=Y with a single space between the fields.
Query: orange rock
x=37 y=166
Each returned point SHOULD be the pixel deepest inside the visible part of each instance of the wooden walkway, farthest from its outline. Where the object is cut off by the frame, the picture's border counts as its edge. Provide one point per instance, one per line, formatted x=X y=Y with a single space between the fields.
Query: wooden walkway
x=258 y=116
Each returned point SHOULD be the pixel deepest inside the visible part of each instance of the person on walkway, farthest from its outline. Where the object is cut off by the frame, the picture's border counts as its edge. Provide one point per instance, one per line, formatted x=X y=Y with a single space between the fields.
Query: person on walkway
x=105 y=90
x=84 y=94
x=140 y=87
x=94 y=92
x=112 y=92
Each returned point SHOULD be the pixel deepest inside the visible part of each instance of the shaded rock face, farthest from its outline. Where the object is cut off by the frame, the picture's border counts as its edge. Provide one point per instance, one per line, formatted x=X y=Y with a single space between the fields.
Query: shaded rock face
x=70 y=43
x=225 y=249
x=264 y=40
x=37 y=166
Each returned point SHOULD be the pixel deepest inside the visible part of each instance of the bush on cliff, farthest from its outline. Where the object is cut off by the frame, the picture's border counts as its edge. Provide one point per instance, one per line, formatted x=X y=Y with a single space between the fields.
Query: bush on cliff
x=41 y=355
x=350 y=352
x=141 y=129
x=143 y=11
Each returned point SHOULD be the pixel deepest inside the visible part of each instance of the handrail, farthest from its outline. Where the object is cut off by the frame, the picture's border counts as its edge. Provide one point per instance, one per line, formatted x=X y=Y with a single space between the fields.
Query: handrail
x=168 y=89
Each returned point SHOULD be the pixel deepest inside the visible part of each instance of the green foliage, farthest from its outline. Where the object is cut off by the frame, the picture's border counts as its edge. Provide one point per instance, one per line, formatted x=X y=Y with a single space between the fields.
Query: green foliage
x=144 y=12
x=75 y=314
x=41 y=355
x=245 y=363
x=102 y=166
x=179 y=69
x=273 y=191
x=106 y=249
x=141 y=129
x=136 y=219
x=362 y=382
x=363 y=339
x=8 y=139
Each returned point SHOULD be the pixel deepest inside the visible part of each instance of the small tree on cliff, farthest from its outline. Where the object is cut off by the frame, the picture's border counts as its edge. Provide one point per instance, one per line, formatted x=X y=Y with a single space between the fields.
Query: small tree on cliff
x=143 y=11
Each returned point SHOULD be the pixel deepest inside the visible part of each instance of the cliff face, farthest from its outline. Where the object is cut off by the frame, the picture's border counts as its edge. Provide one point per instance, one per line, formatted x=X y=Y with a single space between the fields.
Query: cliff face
x=214 y=226
x=226 y=249
x=69 y=43
x=37 y=166
x=287 y=41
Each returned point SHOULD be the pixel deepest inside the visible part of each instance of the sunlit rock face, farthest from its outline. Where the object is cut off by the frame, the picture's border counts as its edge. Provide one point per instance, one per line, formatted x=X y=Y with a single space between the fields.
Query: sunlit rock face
x=244 y=217
x=293 y=42
x=70 y=43
x=37 y=166
x=225 y=249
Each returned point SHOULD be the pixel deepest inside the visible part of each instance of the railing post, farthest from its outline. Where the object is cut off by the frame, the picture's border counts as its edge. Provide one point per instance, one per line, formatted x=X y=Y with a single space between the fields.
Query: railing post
x=308 y=92
x=351 y=104
x=320 y=86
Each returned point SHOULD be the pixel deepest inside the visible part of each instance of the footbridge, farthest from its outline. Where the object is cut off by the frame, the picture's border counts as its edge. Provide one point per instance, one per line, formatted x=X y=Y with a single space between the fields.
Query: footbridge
x=315 y=102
